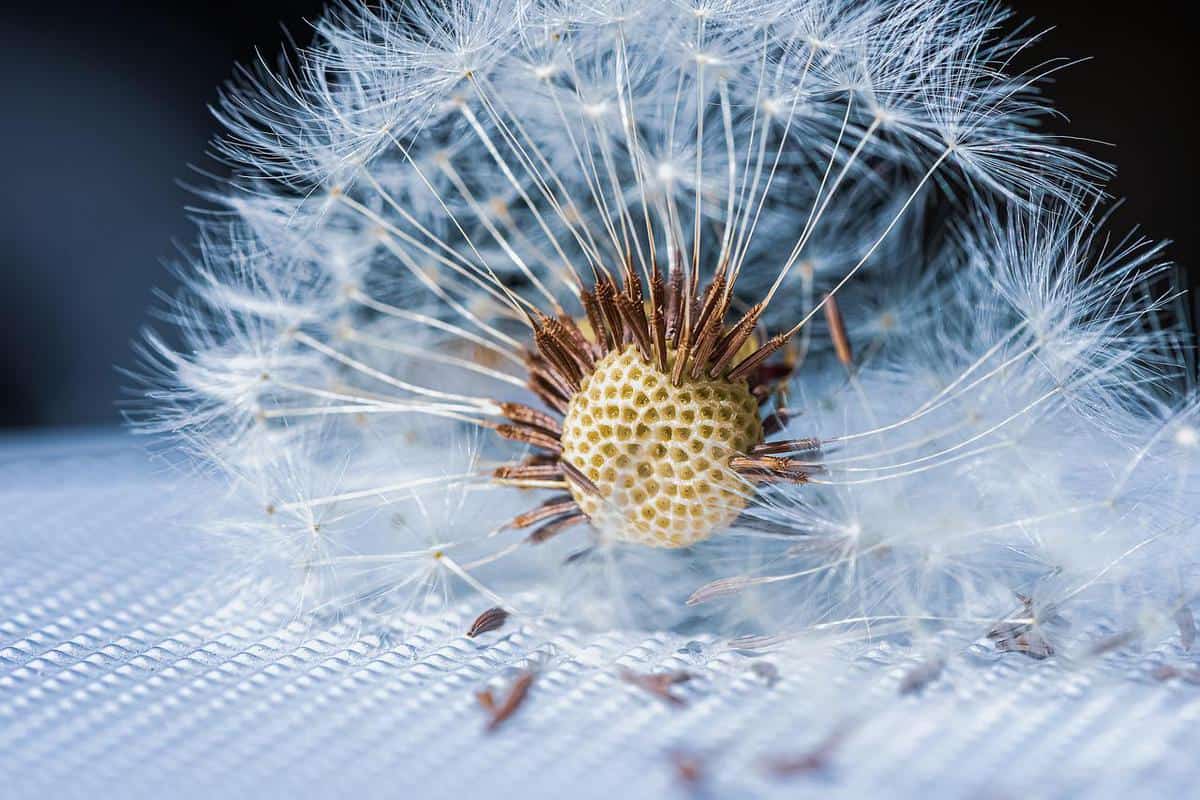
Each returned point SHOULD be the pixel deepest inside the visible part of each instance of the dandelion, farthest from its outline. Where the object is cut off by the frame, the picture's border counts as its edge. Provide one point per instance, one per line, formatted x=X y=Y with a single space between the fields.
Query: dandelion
x=787 y=313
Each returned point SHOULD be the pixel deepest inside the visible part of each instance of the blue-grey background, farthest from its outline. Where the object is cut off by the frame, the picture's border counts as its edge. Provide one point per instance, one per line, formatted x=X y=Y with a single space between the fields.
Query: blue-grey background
x=103 y=109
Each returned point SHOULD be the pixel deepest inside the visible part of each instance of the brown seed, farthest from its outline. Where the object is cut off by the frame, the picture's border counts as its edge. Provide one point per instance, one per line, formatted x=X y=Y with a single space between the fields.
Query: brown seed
x=499 y=712
x=570 y=342
x=557 y=526
x=635 y=321
x=713 y=307
x=789 y=446
x=549 y=386
x=579 y=342
x=658 y=319
x=568 y=370
x=682 y=351
x=674 y=300
x=837 y=331
x=771 y=468
x=755 y=359
x=689 y=768
x=606 y=299
x=1166 y=672
x=636 y=296
x=555 y=506
x=596 y=318
x=1030 y=643
x=1021 y=636
x=921 y=675
x=579 y=556
x=524 y=415
x=633 y=283
x=766 y=671
x=702 y=350
x=790 y=766
x=731 y=343
x=658 y=683
x=517 y=433
x=1114 y=642
x=815 y=760
x=528 y=472
x=491 y=620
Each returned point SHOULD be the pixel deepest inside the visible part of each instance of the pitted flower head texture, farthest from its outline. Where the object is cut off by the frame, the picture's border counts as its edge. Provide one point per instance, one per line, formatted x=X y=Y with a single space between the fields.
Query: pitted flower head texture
x=658 y=453
x=783 y=316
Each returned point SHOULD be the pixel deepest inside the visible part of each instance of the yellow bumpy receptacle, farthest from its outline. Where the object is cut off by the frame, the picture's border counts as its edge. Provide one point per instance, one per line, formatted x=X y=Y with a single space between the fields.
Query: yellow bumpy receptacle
x=658 y=453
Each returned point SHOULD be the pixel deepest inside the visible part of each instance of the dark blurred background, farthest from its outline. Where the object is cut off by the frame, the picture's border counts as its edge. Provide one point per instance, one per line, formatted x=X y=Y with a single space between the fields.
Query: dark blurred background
x=105 y=107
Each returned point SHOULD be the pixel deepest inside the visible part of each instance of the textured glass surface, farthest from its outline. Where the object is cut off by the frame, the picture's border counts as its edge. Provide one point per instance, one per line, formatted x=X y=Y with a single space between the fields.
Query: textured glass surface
x=123 y=673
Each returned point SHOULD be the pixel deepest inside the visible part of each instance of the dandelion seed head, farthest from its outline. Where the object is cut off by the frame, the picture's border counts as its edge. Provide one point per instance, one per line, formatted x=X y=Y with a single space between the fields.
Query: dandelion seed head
x=455 y=228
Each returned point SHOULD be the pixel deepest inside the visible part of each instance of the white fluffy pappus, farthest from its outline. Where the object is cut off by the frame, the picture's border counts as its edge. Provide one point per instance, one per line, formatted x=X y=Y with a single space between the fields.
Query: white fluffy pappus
x=979 y=408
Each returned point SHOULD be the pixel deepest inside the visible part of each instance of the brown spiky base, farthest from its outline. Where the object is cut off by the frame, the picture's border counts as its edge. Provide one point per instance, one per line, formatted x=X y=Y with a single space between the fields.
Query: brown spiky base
x=654 y=431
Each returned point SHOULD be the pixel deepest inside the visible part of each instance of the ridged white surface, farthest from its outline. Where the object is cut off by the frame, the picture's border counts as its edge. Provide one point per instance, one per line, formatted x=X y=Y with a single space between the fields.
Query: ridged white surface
x=122 y=674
